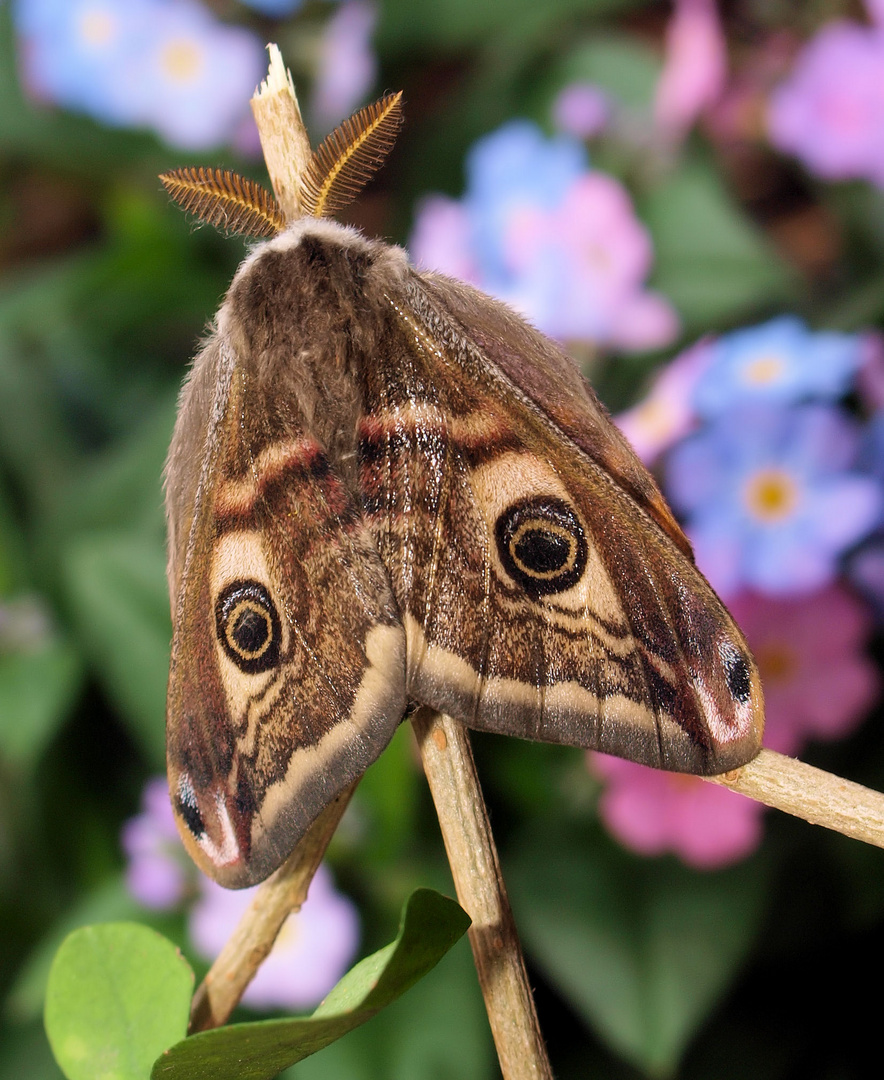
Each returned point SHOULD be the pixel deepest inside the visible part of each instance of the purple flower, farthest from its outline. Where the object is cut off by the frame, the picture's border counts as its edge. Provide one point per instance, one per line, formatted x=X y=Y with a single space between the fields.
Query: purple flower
x=865 y=569
x=770 y=497
x=870 y=377
x=315 y=946
x=582 y=110
x=830 y=111
x=557 y=242
x=164 y=64
x=695 y=67
x=780 y=361
x=347 y=63
x=870 y=457
x=158 y=870
x=818 y=681
x=196 y=76
x=74 y=52
x=653 y=812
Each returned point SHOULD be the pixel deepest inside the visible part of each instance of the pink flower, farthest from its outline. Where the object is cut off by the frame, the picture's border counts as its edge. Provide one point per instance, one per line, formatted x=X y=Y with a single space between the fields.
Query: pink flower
x=158 y=871
x=315 y=946
x=582 y=109
x=559 y=243
x=818 y=682
x=695 y=67
x=581 y=265
x=830 y=111
x=665 y=414
x=442 y=239
x=653 y=812
x=347 y=63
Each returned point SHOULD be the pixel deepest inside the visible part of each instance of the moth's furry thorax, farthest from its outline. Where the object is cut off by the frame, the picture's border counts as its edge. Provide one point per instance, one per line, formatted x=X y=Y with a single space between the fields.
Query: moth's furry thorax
x=304 y=308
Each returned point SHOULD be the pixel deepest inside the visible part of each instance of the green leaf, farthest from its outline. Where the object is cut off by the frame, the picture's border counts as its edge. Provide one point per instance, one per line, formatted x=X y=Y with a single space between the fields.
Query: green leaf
x=430 y=925
x=117 y=588
x=438 y=1029
x=463 y=23
x=118 y=995
x=109 y=902
x=709 y=259
x=643 y=949
x=122 y=490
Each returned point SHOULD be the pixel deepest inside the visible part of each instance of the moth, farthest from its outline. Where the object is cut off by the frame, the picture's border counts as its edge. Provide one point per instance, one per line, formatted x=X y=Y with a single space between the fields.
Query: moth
x=385 y=488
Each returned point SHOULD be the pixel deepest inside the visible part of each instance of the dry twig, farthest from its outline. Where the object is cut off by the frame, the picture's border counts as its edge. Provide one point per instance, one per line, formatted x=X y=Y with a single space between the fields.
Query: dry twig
x=451 y=773
x=817 y=796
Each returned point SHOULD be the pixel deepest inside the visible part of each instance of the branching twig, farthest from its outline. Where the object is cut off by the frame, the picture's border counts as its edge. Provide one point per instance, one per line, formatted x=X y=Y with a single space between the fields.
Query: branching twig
x=463 y=819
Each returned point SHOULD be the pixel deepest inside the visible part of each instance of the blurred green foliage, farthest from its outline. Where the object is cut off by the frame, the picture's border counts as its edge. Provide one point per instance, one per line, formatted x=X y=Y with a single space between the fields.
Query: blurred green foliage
x=642 y=967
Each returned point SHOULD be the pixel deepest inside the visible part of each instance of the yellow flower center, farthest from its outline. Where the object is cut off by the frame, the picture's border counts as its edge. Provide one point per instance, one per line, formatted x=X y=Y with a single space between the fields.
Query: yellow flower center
x=771 y=495
x=653 y=417
x=776 y=662
x=764 y=370
x=181 y=60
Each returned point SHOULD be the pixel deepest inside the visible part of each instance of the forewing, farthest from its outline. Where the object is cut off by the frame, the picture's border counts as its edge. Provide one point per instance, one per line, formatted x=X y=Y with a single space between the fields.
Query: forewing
x=287 y=675
x=545 y=588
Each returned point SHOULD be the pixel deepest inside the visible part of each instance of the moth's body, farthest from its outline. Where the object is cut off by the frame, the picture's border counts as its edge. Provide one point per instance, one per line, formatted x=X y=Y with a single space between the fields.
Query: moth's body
x=386 y=488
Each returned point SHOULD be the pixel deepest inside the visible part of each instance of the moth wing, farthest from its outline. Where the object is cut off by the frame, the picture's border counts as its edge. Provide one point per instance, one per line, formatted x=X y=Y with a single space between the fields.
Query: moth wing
x=546 y=590
x=287 y=674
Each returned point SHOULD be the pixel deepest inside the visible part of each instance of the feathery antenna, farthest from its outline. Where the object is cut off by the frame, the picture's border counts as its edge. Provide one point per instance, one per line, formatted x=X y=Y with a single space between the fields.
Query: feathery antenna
x=226 y=200
x=350 y=156
x=333 y=177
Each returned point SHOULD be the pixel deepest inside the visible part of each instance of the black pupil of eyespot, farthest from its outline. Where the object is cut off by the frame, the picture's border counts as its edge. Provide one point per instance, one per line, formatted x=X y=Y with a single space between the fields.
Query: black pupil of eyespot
x=251 y=630
x=541 y=545
x=248 y=626
x=541 y=550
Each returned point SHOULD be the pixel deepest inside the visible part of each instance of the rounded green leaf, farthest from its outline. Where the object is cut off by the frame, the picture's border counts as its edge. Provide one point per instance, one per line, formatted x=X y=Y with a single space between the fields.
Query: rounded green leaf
x=118 y=995
x=431 y=924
